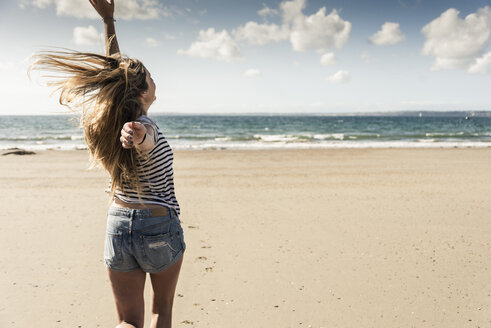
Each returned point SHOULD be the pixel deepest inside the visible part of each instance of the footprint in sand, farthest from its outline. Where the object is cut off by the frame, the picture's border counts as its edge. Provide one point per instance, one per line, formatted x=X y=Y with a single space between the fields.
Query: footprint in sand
x=206 y=246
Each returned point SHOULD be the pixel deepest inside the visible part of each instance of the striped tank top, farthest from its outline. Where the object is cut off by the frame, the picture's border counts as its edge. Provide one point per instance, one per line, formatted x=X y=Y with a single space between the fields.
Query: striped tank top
x=155 y=174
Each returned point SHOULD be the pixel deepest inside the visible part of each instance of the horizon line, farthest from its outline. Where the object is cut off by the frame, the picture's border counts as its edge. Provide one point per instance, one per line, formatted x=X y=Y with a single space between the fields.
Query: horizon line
x=283 y=113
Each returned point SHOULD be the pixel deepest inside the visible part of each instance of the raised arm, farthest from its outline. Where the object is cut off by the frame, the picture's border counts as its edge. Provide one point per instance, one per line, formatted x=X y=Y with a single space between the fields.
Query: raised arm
x=105 y=8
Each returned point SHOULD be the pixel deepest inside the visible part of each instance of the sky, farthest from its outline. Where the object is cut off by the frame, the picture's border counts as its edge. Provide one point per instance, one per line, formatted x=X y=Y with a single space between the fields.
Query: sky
x=291 y=56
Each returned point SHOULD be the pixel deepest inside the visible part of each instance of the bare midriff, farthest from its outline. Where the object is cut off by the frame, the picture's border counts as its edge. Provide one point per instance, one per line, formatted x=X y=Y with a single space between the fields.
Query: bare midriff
x=120 y=203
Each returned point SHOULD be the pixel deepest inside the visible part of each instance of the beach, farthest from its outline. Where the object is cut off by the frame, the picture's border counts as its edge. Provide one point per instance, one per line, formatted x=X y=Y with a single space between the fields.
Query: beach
x=275 y=238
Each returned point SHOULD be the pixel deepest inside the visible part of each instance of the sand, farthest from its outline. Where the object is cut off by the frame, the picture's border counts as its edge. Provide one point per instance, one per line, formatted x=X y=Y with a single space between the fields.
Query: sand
x=291 y=238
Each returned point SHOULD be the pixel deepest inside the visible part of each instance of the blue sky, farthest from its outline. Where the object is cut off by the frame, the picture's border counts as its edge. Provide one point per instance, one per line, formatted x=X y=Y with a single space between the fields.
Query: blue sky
x=268 y=56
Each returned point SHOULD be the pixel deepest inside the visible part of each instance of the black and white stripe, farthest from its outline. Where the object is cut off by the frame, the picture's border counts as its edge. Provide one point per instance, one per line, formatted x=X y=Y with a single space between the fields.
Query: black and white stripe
x=155 y=174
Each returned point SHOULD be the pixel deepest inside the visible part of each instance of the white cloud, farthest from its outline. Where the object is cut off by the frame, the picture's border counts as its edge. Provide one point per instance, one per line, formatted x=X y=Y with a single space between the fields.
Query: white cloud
x=266 y=11
x=261 y=34
x=124 y=9
x=328 y=59
x=140 y=9
x=292 y=10
x=318 y=31
x=216 y=45
x=482 y=64
x=151 y=42
x=252 y=73
x=87 y=36
x=42 y=3
x=365 y=56
x=456 y=42
x=339 y=77
x=168 y=36
x=389 y=34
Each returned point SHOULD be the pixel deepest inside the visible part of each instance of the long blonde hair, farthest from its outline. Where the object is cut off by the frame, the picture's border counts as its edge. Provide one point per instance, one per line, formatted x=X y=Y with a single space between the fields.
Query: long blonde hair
x=106 y=89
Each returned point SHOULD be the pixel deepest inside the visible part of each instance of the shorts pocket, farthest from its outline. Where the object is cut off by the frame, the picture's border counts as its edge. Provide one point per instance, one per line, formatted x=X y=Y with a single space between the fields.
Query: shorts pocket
x=159 y=250
x=112 y=247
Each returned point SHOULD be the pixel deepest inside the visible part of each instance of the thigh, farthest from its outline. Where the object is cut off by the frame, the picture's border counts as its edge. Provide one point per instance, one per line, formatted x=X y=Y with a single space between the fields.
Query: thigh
x=128 y=295
x=164 y=286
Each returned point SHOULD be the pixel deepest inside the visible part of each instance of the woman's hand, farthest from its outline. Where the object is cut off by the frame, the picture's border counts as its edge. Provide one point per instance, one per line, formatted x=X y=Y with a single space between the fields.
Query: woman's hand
x=105 y=8
x=132 y=133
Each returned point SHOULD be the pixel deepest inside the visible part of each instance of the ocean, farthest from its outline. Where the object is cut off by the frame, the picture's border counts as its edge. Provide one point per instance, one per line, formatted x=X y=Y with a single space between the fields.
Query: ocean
x=444 y=130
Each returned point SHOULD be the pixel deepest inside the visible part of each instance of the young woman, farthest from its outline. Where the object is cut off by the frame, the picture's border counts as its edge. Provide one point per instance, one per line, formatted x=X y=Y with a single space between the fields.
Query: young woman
x=143 y=233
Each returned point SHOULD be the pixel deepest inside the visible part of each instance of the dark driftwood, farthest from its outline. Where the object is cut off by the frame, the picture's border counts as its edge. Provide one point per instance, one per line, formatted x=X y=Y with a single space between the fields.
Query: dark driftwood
x=19 y=152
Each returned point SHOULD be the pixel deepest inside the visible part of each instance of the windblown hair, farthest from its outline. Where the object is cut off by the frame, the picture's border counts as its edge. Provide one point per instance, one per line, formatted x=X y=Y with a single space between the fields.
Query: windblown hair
x=106 y=89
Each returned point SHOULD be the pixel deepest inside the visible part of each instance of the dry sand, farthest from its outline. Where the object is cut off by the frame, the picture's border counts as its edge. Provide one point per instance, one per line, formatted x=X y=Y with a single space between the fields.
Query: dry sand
x=311 y=238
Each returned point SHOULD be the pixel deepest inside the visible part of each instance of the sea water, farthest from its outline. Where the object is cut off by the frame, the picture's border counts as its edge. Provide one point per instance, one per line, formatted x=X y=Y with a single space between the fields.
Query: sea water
x=267 y=131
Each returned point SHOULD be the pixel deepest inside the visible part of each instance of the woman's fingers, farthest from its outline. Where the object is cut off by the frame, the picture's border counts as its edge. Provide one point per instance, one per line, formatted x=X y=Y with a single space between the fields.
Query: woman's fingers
x=126 y=140
x=126 y=143
x=127 y=132
x=126 y=136
x=131 y=133
x=127 y=128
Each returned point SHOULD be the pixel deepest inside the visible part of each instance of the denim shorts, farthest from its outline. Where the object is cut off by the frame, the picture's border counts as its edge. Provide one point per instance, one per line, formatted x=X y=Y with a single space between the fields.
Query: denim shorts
x=135 y=239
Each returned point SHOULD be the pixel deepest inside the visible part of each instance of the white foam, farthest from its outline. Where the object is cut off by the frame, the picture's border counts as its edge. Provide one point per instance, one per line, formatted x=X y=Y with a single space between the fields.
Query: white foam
x=339 y=136
x=275 y=137
x=435 y=134
x=333 y=145
x=285 y=144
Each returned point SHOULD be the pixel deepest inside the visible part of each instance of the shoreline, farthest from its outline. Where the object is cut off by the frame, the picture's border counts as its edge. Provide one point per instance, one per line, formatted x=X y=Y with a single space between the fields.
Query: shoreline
x=408 y=146
x=405 y=113
x=246 y=151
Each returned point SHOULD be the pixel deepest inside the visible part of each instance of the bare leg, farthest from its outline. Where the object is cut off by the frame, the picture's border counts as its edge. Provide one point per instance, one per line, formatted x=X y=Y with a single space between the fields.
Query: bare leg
x=164 y=287
x=128 y=294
